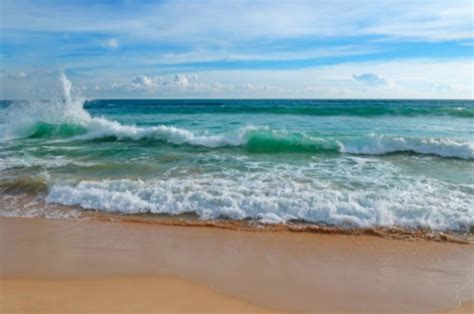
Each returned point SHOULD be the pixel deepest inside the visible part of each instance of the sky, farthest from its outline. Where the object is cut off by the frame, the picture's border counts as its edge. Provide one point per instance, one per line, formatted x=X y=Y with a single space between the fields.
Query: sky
x=238 y=48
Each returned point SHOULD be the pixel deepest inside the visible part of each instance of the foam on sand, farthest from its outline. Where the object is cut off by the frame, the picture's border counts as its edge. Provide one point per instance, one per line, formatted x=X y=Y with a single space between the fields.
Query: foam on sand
x=285 y=194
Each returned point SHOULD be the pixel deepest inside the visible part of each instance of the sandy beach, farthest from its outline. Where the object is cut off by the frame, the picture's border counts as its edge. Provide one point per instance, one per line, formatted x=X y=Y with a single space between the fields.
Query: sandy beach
x=55 y=266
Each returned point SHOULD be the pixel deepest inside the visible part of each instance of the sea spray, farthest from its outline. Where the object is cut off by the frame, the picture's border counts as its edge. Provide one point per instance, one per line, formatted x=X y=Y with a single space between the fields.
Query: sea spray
x=38 y=118
x=285 y=194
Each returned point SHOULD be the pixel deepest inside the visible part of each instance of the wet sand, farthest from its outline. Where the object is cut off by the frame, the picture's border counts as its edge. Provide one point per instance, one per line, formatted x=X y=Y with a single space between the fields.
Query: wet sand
x=466 y=308
x=95 y=266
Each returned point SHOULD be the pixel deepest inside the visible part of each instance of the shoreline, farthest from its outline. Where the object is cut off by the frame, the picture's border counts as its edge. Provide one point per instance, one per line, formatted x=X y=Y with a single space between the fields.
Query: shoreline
x=284 y=271
x=395 y=233
x=76 y=213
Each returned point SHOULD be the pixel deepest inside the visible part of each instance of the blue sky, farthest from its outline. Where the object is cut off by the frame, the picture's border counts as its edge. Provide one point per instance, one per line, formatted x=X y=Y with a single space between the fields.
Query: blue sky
x=239 y=49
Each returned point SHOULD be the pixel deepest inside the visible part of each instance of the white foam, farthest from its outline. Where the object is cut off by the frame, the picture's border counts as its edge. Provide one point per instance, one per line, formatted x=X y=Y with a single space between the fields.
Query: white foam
x=27 y=161
x=379 y=145
x=367 y=195
x=24 y=206
x=21 y=118
x=100 y=127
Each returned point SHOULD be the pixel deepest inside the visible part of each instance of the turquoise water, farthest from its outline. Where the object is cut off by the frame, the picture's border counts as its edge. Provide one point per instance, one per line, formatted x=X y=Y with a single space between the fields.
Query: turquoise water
x=348 y=163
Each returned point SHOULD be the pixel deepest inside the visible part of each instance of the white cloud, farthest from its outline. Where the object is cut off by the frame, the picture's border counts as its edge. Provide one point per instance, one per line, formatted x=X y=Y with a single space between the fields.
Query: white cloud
x=154 y=83
x=189 y=86
x=111 y=43
x=405 y=79
x=395 y=79
x=371 y=79
x=142 y=81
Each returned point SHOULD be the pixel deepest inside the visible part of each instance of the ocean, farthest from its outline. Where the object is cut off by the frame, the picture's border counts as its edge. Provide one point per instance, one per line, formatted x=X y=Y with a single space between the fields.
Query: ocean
x=341 y=163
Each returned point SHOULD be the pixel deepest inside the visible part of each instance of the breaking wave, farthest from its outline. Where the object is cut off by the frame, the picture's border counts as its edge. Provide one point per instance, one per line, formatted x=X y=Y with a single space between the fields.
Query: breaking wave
x=257 y=139
x=66 y=118
x=278 y=197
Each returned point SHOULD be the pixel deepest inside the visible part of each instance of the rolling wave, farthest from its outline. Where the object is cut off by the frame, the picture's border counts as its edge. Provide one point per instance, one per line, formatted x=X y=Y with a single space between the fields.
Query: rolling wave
x=258 y=139
x=412 y=204
x=67 y=118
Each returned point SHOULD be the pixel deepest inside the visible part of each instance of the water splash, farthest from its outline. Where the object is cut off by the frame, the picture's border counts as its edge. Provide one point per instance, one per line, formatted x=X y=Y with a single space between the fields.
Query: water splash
x=25 y=118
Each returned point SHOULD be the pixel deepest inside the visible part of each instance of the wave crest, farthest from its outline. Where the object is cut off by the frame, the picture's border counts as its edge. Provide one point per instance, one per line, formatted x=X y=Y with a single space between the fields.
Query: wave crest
x=381 y=145
x=68 y=118
x=280 y=196
x=258 y=139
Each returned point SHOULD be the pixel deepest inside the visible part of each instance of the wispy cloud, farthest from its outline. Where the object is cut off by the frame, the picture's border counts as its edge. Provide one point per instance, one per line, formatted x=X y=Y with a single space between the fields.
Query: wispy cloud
x=100 y=42
x=218 y=20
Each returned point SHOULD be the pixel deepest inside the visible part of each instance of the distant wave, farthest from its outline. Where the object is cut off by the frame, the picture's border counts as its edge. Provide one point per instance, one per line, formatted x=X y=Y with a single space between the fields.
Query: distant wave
x=327 y=108
x=380 y=145
x=257 y=139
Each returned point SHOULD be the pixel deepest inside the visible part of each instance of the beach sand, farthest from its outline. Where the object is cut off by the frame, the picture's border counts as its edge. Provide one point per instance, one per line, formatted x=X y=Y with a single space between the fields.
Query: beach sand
x=132 y=294
x=58 y=266
x=467 y=308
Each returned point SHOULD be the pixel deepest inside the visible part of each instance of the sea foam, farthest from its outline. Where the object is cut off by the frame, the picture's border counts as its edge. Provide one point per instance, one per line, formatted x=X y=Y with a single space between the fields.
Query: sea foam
x=279 y=194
